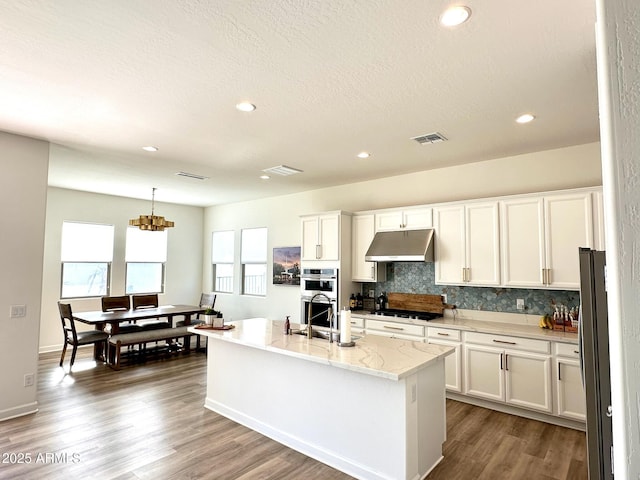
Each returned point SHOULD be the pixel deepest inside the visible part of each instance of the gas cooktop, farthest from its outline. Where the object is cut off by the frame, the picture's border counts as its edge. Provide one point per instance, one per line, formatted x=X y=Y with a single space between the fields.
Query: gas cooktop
x=407 y=314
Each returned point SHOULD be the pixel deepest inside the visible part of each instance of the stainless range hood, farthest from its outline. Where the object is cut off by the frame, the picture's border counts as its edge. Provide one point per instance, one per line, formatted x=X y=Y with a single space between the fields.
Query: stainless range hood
x=401 y=246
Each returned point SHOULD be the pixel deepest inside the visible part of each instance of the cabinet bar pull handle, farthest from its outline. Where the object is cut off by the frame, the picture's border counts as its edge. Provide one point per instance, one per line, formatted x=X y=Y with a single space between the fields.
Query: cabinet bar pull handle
x=393 y=328
x=443 y=334
x=504 y=341
x=576 y=352
x=318 y=252
x=548 y=276
x=544 y=276
x=501 y=367
x=559 y=376
x=506 y=361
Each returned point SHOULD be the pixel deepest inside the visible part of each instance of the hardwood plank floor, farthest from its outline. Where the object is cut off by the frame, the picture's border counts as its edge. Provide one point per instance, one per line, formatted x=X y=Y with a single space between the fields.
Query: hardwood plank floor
x=148 y=422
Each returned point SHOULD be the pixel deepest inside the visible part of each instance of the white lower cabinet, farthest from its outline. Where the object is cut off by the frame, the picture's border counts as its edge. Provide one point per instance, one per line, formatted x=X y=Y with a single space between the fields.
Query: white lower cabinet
x=453 y=362
x=513 y=370
x=406 y=331
x=357 y=325
x=570 y=397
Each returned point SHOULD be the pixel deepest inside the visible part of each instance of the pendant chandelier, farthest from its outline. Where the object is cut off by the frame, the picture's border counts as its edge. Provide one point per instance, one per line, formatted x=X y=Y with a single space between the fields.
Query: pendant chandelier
x=153 y=223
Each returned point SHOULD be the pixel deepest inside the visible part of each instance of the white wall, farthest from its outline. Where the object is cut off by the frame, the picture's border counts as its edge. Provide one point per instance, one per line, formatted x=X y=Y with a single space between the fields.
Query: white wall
x=184 y=255
x=571 y=167
x=618 y=48
x=23 y=195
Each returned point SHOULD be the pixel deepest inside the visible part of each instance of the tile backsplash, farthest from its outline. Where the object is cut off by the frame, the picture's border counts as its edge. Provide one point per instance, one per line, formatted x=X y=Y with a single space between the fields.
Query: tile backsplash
x=419 y=277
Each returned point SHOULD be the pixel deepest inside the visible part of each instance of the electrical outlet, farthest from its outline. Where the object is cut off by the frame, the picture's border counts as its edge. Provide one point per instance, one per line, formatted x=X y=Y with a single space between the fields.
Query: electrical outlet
x=444 y=298
x=28 y=380
x=520 y=304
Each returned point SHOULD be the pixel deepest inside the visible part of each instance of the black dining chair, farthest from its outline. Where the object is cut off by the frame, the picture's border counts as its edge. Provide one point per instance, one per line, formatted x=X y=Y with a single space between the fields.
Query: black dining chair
x=74 y=338
x=207 y=300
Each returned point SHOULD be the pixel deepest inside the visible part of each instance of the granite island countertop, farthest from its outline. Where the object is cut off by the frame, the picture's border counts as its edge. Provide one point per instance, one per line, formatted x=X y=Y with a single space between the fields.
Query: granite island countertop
x=384 y=357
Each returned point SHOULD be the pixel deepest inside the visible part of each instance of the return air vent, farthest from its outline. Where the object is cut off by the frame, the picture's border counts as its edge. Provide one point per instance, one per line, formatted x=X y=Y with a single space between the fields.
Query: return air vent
x=282 y=170
x=434 y=137
x=191 y=175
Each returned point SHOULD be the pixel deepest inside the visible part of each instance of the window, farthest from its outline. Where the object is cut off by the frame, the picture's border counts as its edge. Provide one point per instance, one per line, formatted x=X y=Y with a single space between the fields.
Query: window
x=86 y=255
x=254 y=261
x=222 y=246
x=146 y=254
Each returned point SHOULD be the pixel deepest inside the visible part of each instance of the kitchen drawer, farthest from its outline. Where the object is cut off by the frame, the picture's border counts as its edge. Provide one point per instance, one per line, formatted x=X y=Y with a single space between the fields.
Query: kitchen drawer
x=508 y=342
x=395 y=327
x=357 y=322
x=443 y=333
x=567 y=350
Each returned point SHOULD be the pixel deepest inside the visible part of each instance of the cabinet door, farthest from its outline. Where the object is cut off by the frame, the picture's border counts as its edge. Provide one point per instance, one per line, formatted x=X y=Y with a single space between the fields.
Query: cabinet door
x=483 y=375
x=387 y=221
x=362 y=232
x=570 y=394
x=452 y=365
x=528 y=380
x=522 y=242
x=482 y=244
x=310 y=238
x=416 y=218
x=568 y=226
x=449 y=245
x=329 y=228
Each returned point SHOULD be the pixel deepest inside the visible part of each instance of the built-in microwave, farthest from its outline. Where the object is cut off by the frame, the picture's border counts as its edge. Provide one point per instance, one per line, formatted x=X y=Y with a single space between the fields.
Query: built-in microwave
x=319 y=280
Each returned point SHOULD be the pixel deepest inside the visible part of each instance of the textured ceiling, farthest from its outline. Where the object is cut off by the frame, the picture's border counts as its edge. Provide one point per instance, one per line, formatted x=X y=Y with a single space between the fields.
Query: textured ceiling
x=330 y=78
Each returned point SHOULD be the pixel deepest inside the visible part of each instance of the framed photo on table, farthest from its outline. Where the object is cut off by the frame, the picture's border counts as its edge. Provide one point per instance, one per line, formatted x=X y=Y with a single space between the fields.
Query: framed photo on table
x=286 y=265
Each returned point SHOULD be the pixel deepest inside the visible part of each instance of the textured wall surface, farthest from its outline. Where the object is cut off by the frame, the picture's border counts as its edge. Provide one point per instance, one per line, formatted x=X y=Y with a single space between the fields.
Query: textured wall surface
x=419 y=277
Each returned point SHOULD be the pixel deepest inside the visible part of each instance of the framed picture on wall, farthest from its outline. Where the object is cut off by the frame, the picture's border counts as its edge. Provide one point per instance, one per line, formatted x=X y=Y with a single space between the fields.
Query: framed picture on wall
x=286 y=265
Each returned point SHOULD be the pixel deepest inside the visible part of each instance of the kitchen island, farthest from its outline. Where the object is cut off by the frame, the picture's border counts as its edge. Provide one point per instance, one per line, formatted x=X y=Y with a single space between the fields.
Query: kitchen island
x=373 y=411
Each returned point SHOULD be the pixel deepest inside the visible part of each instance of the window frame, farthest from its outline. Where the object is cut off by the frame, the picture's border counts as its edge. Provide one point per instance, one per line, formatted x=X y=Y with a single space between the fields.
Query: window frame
x=244 y=263
x=218 y=255
x=163 y=266
x=64 y=263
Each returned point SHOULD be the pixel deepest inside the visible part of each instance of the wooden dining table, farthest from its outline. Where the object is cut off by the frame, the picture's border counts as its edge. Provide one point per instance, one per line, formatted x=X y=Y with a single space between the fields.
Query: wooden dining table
x=100 y=319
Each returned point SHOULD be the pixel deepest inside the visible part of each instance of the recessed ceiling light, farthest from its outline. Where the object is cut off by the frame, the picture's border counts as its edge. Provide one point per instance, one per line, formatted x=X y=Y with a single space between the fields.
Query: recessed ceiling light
x=455 y=16
x=150 y=148
x=265 y=177
x=526 y=118
x=246 y=107
x=364 y=155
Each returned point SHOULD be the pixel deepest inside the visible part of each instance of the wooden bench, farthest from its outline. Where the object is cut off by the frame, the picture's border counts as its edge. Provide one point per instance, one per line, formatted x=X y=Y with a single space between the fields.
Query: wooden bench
x=116 y=342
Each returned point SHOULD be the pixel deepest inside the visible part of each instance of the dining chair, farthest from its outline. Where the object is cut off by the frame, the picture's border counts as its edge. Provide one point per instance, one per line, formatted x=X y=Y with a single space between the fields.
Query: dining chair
x=148 y=300
x=207 y=300
x=74 y=338
x=120 y=303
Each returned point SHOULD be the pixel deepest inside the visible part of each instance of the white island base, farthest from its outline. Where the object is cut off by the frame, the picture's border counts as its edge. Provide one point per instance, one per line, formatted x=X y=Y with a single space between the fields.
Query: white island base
x=337 y=405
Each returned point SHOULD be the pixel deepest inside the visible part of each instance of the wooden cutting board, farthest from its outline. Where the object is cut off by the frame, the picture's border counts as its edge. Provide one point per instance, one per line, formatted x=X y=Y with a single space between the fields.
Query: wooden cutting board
x=416 y=302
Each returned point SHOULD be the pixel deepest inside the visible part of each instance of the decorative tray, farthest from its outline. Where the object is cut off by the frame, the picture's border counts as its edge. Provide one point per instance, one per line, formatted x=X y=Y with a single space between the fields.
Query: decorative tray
x=211 y=327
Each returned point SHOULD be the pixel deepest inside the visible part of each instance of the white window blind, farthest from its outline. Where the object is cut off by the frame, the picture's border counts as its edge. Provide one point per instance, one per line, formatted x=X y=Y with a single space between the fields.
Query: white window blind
x=254 y=245
x=86 y=242
x=146 y=246
x=222 y=244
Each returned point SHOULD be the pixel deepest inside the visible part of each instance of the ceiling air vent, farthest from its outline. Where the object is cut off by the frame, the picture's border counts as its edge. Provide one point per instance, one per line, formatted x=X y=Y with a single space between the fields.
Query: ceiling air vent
x=191 y=175
x=434 y=137
x=282 y=170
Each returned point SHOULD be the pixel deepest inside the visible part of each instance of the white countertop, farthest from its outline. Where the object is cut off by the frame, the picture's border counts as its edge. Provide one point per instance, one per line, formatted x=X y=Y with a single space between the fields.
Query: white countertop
x=484 y=326
x=375 y=355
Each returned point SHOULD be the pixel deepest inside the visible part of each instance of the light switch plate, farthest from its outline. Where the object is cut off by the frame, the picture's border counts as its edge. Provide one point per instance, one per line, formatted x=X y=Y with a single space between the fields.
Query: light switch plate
x=520 y=303
x=18 y=311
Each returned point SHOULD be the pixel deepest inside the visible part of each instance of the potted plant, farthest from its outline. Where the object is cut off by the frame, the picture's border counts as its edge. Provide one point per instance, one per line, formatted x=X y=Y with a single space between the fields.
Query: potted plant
x=209 y=315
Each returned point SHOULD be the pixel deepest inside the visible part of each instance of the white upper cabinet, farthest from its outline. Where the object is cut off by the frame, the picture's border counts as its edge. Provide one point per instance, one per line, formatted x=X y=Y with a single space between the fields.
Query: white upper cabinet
x=541 y=237
x=467 y=244
x=321 y=237
x=404 y=219
x=363 y=229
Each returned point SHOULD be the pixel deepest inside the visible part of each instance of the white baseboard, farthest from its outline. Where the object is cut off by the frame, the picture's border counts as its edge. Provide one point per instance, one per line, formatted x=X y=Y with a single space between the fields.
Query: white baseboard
x=19 y=411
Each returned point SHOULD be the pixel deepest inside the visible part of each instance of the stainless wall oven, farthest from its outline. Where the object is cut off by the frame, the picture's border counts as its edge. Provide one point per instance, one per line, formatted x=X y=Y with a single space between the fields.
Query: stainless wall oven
x=321 y=285
x=319 y=280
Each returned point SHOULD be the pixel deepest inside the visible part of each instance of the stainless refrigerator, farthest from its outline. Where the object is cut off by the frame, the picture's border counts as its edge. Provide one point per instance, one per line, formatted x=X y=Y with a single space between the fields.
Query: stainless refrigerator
x=594 y=356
